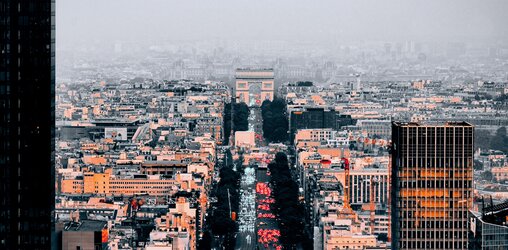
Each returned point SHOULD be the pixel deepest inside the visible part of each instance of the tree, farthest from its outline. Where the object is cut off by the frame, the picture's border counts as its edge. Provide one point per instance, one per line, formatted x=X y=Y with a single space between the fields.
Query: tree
x=205 y=243
x=227 y=192
x=239 y=163
x=229 y=159
x=487 y=175
x=500 y=140
x=241 y=117
x=275 y=120
x=287 y=205
x=482 y=139
x=228 y=177
x=281 y=159
x=477 y=165
x=221 y=222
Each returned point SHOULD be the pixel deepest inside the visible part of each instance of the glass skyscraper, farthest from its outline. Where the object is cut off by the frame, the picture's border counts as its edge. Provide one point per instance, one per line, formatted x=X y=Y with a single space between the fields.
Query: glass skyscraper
x=432 y=178
x=27 y=64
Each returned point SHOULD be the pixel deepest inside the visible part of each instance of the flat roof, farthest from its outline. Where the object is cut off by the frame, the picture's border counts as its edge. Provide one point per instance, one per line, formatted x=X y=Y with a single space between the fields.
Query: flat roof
x=85 y=225
x=433 y=124
x=163 y=163
x=253 y=69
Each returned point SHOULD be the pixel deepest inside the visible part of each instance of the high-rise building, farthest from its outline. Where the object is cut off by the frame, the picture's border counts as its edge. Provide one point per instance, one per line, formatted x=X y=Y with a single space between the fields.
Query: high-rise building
x=253 y=86
x=27 y=78
x=432 y=178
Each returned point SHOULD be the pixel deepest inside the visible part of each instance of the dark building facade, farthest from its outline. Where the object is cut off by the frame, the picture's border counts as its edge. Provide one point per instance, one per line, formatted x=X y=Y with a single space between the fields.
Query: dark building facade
x=27 y=124
x=317 y=118
x=432 y=185
x=488 y=230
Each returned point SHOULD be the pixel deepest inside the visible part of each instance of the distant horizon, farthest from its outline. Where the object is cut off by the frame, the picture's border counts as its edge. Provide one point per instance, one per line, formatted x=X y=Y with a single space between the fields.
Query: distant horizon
x=329 y=23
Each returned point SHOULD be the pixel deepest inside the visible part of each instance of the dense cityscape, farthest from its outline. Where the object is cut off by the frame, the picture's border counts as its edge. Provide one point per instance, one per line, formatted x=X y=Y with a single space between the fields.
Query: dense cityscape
x=281 y=156
x=252 y=144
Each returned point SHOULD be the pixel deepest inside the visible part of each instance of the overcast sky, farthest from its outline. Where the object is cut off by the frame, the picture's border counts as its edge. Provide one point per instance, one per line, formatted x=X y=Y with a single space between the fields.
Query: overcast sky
x=311 y=20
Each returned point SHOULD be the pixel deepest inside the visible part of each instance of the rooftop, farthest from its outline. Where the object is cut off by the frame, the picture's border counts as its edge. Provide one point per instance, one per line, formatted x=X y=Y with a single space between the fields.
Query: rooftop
x=433 y=124
x=85 y=225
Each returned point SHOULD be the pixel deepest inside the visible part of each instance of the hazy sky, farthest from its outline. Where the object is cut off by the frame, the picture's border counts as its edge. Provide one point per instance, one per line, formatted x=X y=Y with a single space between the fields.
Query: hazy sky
x=311 y=20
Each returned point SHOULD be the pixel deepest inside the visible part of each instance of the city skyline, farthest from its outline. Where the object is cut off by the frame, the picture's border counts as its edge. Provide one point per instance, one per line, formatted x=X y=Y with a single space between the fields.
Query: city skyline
x=163 y=125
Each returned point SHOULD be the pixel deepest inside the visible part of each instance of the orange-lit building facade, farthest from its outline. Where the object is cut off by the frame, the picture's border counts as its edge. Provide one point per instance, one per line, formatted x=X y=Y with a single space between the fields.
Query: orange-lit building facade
x=103 y=183
x=432 y=178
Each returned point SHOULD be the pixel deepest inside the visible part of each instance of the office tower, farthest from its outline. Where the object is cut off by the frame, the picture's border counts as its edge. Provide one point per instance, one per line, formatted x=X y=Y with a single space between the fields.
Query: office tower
x=432 y=178
x=253 y=86
x=26 y=123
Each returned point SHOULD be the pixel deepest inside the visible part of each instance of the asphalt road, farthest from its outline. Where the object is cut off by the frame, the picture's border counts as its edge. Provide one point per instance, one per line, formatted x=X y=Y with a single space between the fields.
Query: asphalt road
x=246 y=237
x=264 y=223
x=256 y=125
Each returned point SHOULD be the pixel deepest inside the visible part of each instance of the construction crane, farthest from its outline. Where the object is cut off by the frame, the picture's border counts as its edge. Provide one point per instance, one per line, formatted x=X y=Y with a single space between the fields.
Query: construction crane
x=373 y=184
x=346 y=211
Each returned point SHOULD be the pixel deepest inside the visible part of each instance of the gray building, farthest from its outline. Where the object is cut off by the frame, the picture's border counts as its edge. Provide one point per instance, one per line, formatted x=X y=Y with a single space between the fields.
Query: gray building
x=488 y=230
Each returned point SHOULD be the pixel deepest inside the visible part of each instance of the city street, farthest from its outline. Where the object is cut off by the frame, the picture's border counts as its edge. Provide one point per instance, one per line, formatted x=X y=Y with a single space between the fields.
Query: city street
x=256 y=125
x=248 y=212
x=246 y=236
x=257 y=225
x=266 y=224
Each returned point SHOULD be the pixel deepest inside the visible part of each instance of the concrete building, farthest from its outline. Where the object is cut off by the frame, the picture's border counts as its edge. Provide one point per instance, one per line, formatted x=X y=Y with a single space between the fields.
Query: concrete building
x=376 y=128
x=253 y=86
x=336 y=239
x=315 y=118
x=432 y=176
x=85 y=235
x=180 y=225
x=313 y=135
x=361 y=181
x=104 y=183
x=500 y=173
x=245 y=138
